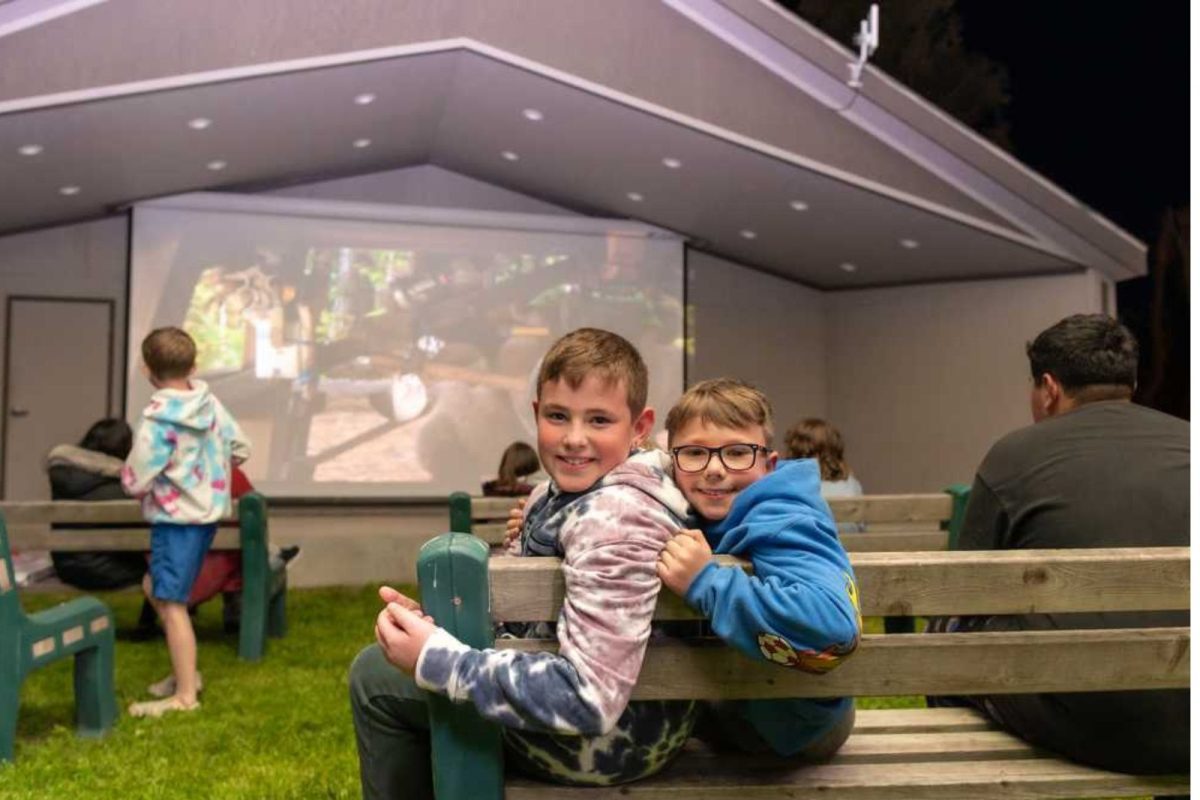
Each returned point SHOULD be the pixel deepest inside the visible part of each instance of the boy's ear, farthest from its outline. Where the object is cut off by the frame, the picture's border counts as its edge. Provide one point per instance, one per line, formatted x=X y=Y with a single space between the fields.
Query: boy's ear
x=643 y=425
x=772 y=460
x=535 y=408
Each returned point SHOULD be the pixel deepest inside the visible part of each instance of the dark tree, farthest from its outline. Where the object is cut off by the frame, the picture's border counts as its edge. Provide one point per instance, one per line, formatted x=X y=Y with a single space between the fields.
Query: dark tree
x=921 y=45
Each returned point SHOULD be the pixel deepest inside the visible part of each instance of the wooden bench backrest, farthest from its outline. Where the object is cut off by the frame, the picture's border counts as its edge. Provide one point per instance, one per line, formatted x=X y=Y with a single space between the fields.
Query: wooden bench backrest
x=100 y=513
x=927 y=583
x=485 y=517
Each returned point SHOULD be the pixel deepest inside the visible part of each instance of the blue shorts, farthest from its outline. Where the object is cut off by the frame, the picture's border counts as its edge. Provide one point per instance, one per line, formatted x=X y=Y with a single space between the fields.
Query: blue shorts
x=176 y=554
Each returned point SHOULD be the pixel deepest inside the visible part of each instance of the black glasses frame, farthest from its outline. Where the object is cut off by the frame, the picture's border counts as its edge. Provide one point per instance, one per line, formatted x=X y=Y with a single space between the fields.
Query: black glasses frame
x=720 y=451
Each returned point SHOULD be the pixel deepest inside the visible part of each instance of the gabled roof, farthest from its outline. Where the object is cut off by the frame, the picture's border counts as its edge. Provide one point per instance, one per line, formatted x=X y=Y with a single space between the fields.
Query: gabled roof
x=750 y=101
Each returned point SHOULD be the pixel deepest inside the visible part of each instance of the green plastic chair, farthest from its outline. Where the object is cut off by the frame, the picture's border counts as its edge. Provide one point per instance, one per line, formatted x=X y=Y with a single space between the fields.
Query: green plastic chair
x=82 y=628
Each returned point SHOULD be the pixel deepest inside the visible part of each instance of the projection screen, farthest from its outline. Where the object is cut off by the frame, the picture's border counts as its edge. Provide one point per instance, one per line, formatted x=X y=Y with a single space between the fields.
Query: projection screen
x=376 y=351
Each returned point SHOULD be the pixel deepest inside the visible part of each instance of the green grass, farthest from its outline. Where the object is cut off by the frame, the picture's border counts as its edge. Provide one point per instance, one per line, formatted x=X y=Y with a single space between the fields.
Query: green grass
x=279 y=728
x=276 y=729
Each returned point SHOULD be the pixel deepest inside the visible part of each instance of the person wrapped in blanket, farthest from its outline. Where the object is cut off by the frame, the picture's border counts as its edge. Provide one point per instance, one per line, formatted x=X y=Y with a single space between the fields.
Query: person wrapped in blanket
x=800 y=607
x=608 y=514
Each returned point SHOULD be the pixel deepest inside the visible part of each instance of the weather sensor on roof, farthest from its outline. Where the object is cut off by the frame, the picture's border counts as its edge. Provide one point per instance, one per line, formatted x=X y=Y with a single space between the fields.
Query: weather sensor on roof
x=867 y=40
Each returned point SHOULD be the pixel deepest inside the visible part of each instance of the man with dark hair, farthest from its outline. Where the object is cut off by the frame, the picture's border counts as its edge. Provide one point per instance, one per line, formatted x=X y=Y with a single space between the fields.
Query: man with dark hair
x=1094 y=470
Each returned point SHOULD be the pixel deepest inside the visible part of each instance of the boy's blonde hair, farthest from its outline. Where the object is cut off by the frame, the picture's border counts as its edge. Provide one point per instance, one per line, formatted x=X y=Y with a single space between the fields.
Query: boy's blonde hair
x=169 y=353
x=725 y=402
x=816 y=438
x=591 y=351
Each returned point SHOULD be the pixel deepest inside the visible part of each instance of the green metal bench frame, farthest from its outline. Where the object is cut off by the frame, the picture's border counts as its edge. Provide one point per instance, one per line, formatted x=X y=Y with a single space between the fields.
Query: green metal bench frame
x=82 y=628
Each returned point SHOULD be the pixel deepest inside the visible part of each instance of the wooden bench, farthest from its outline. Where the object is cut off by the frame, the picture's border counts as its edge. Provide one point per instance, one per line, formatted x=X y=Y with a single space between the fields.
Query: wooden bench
x=903 y=753
x=264 y=585
x=82 y=628
x=894 y=522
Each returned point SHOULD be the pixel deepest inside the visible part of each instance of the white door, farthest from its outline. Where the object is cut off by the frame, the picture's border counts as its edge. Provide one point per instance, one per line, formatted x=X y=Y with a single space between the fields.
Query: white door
x=59 y=381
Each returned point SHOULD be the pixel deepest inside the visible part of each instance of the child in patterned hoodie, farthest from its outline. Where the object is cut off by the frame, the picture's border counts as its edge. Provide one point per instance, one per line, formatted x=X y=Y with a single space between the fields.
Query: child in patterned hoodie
x=180 y=467
x=800 y=607
x=607 y=512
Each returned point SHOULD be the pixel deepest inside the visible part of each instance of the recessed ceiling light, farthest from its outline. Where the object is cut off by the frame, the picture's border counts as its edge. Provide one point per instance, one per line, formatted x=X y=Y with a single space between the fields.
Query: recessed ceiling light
x=364 y=99
x=798 y=205
x=361 y=143
x=199 y=123
x=672 y=163
x=509 y=155
x=29 y=149
x=635 y=197
x=846 y=266
x=909 y=244
x=217 y=166
x=533 y=115
x=69 y=190
x=748 y=234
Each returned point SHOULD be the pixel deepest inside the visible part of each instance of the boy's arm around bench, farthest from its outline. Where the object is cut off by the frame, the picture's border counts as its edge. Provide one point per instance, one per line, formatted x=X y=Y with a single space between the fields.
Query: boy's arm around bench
x=610 y=551
x=800 y=607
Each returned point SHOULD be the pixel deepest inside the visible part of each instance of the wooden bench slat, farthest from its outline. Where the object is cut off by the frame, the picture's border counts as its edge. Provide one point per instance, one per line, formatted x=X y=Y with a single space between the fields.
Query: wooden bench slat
x=94 y=512
x=894 y=541
x=920 y=720
x=869 y=508
x=929 y=583
x=877 y=748
x=944 y=664
x=709 y=779
x=138 y=539
x=892 y=508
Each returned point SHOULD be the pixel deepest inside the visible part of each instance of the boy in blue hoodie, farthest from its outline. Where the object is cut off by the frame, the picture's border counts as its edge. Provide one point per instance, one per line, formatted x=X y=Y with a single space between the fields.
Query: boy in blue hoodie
x=800 y=607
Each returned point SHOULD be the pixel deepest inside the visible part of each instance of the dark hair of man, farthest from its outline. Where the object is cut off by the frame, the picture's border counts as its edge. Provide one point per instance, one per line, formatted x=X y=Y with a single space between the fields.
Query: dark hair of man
x=110 y=436
x=608 y=356
x=1092 y=356
x=169 y=353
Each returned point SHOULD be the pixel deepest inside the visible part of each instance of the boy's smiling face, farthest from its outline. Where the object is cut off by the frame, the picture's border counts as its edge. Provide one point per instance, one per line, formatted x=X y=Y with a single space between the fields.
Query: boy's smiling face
x=585 y=432
x=712 y=490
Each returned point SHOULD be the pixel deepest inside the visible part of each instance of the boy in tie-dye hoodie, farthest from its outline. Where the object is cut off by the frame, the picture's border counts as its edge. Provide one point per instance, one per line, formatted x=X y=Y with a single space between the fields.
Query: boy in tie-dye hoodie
x=607 y=513
x=180 y=467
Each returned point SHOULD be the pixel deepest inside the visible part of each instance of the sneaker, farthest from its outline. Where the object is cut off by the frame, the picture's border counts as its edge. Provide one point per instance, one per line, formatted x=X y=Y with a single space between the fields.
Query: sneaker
x=166 y=687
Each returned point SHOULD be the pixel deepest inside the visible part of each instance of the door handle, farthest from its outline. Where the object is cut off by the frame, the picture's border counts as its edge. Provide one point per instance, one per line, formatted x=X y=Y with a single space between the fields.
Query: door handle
x=19 y=412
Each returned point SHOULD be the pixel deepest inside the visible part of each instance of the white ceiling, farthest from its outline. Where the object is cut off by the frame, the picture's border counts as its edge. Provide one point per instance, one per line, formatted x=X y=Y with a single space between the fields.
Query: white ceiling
x=459 y=105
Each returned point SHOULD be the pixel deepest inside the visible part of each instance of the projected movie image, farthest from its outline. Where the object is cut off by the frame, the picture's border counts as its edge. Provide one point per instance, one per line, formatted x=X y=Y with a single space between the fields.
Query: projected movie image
x=402 y=361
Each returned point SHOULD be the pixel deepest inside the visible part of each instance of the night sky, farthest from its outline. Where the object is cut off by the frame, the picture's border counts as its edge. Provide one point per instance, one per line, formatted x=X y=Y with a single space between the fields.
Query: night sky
x=1100 y=97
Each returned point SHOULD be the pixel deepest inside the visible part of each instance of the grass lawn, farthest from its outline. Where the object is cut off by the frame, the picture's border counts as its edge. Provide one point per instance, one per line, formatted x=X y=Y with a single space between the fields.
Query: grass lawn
x=277 y=729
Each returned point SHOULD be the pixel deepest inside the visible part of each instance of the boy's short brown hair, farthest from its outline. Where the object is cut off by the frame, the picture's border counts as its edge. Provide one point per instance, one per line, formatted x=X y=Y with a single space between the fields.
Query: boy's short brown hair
x=726 y=402
x=591 y=351
x=169 y=353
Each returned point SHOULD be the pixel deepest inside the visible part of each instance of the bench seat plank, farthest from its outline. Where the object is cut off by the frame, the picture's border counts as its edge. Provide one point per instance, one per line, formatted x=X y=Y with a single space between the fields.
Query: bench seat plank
x=726 y=778
x=920 y=720
x=953 y=663
x=928 y=583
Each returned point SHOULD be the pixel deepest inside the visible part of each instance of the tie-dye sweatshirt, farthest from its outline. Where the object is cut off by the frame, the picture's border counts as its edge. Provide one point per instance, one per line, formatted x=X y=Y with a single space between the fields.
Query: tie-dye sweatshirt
x=609 y=538
x=180 y=462
x=799 y=608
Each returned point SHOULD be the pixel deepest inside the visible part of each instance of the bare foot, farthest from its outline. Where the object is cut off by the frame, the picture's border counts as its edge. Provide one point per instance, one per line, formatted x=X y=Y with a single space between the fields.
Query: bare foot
x=156 y=708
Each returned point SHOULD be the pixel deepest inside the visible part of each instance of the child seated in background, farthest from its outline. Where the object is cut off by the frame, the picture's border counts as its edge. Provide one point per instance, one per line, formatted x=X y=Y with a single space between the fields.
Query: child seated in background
x=179 y=466
x=518 y=462
x=816 y=438
x=800 y=607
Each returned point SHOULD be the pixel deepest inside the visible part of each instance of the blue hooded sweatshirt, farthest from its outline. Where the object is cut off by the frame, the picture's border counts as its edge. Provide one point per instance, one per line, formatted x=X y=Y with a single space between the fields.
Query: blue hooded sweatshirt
x=799 y=608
